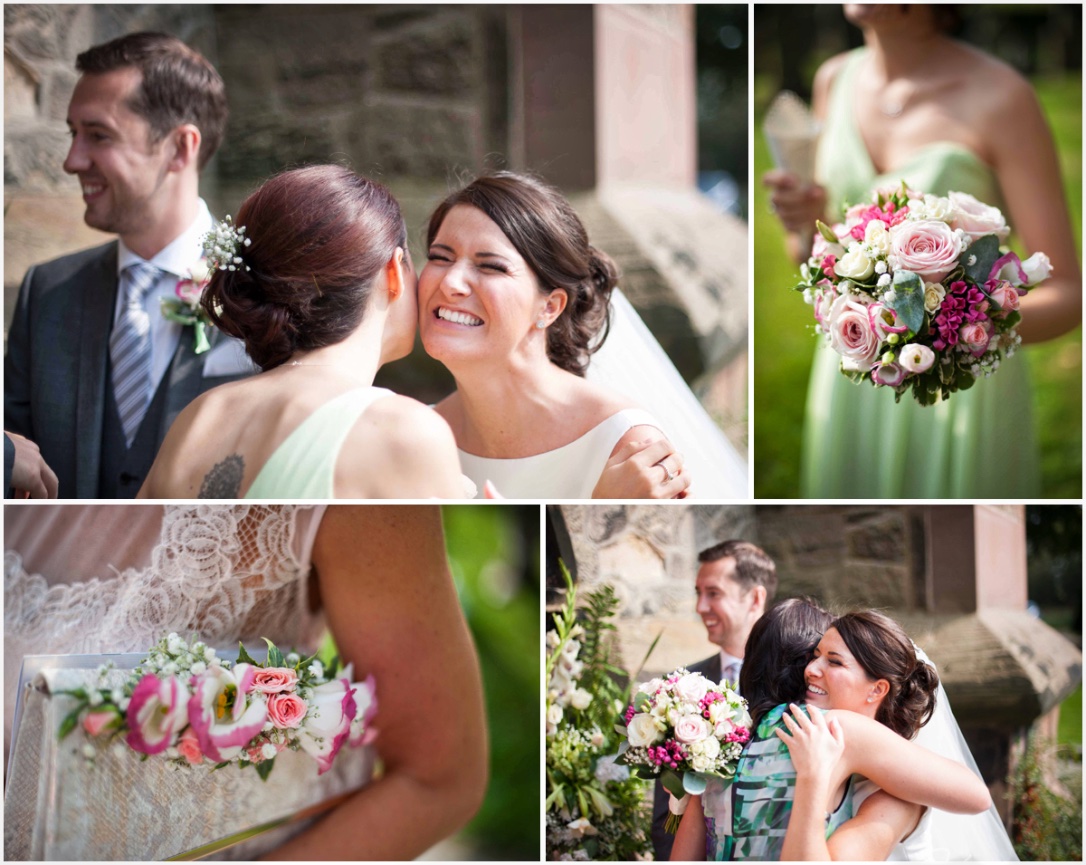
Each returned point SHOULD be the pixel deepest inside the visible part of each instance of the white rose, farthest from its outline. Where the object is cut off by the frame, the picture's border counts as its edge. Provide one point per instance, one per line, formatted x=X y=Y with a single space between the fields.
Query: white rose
x=701 y=763
x=933 y=296
x=855 y=264
x=692 y=687
x=877 y=236
x=710 y=747
x=691 y=728
x=554 y=714
x=580 y=699
x=641 y=731
x=931 y=207
x=976 y=218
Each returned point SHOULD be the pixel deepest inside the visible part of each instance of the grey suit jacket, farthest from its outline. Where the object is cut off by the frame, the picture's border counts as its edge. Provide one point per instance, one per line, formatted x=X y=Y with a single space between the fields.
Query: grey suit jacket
x=57 y=360
x=661 y=838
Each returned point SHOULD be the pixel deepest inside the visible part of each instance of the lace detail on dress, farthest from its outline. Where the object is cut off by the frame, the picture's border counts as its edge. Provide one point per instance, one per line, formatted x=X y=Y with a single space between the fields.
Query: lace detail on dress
x=227 y=572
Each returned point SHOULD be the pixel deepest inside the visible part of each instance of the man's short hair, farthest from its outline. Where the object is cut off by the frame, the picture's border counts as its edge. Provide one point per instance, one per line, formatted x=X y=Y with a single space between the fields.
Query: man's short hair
x=178 y=85
x=753 y=566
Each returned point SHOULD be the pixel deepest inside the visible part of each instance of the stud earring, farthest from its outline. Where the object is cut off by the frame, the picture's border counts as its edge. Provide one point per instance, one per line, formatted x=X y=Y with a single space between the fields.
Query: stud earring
x=541 y=323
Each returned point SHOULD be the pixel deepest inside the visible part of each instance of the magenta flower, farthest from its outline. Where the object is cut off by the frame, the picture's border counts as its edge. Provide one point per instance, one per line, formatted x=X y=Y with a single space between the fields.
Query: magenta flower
x=225 y=711
x=156 y=713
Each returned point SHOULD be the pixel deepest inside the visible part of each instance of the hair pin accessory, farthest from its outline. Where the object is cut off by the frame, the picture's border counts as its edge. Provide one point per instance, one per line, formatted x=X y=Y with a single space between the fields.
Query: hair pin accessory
x=223 y=245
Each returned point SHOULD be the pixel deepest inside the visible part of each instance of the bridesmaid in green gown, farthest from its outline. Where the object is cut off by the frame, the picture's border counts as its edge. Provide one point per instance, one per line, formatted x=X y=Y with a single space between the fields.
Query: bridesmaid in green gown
x=914 y=105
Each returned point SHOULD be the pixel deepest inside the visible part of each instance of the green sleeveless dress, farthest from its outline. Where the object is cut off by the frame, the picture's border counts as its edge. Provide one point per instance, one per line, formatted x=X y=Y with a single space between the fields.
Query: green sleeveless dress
x=746 y=818
x=304 y=465
x=859 y=443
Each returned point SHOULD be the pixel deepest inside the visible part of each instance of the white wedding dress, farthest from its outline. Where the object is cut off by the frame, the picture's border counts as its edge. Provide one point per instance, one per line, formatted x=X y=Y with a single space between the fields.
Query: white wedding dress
x=93 y=579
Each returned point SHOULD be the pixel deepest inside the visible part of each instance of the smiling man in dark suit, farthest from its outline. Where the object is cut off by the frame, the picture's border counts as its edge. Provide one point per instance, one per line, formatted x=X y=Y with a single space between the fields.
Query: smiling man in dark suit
x=736 y=582
x=94 y=373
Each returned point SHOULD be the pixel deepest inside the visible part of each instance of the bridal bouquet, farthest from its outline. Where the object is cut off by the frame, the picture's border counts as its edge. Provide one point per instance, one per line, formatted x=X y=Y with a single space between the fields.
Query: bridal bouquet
x=684 y=729
x=187 y=705
x=915 y=293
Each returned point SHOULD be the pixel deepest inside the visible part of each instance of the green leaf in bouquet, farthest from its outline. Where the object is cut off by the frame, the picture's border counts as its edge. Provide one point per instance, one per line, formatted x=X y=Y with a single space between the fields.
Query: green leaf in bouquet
x=694 y=783
x=624 y=745
x=640 y=701
x=828 y=233
x=244 y=657
x=672 y=783
x=908 y=300
x=643 y=772
x=264 y=769
x=979 y=258
x=1012 y=319
x=70 y=722
x=275 y=657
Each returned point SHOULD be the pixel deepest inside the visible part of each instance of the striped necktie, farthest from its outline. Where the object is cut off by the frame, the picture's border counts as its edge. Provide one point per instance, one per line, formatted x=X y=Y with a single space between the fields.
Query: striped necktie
x=130 y=348
x=731 y=673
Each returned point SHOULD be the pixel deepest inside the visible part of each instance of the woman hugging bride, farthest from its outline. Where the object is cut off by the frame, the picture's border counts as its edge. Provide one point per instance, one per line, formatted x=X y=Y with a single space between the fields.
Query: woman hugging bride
x=513 y=300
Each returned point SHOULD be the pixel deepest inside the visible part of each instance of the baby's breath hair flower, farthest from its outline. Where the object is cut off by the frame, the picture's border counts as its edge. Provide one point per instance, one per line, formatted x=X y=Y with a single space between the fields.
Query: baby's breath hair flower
x=223 y=245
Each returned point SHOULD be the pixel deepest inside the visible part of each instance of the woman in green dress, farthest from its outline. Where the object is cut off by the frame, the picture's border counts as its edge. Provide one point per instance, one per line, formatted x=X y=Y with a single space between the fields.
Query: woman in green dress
x=915 y=105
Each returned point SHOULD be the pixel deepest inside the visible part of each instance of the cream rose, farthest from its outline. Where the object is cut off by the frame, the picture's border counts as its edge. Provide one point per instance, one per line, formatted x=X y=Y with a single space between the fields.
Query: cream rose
x=855 y=265
x=851 y=335
x=934 y=293
x=691 y=688
x=642 y=731
x=976 y=218
x=580 y=699
x=877 y=236
x=927 y=247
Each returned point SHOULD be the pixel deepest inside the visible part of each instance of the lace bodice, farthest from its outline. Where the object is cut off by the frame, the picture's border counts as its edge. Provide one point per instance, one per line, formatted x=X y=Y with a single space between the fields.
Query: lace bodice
x=91 y=579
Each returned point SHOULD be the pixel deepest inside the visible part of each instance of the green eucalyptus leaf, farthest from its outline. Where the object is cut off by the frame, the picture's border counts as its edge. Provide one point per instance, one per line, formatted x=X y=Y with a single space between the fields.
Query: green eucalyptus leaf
x=909 y=299
x=979 y=258
x=672 y=783
x=694 y=783
x=640 y=701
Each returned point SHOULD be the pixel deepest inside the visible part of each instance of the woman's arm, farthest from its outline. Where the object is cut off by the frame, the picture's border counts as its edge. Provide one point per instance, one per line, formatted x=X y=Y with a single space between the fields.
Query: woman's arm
x=689 y=843
x=1027 y=165
x=392 y=608
x=816 y=747
x=907 y=770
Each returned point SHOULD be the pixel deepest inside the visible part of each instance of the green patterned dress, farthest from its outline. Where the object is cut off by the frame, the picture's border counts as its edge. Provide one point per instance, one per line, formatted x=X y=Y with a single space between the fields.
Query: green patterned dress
x=747 y=817
x=857 y=442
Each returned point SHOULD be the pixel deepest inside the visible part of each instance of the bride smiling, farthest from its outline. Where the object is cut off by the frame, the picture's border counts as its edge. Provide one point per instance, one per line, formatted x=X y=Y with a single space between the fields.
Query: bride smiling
x=514 y=301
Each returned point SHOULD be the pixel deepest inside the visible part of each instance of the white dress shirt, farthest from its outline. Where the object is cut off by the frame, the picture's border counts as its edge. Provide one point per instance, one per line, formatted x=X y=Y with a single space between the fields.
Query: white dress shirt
x=175 y=259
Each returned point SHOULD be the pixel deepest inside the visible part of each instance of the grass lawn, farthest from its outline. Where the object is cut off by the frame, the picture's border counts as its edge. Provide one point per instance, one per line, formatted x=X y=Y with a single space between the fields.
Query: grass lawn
x=784 y=348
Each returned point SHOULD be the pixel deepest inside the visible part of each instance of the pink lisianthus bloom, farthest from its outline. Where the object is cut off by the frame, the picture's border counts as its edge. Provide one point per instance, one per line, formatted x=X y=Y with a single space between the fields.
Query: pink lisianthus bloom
x=95 y=722
x=916 y=358
x=189 y=747
x=888 y=374
x=976 y=336
x=927 y=247
x=327 y=724
x=823 y=299
x=286 y=710
x=190 y=290
x=274 y=680
x=851 y=335
x=225 y=711
x=365 y=700
x=156 y=713
x=884 y=321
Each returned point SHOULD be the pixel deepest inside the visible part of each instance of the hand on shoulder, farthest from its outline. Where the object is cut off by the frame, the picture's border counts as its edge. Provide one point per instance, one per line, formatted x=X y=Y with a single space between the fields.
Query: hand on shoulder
x=643 y=465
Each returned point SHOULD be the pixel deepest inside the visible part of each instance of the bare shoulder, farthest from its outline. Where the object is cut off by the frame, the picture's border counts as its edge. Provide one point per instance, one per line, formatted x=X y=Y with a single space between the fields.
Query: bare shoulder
x=824 y=78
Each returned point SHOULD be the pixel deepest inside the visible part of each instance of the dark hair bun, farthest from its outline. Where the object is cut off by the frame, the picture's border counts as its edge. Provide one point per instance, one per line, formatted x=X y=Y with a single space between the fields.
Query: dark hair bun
x=320 y=235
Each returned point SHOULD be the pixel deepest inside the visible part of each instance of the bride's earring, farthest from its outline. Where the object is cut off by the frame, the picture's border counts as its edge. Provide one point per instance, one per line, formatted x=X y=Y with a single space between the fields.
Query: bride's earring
x=541 y=323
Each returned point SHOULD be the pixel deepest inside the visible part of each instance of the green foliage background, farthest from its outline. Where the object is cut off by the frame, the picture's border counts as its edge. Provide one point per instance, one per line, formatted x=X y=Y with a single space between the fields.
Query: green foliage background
x=784 y=347
x=494 y=554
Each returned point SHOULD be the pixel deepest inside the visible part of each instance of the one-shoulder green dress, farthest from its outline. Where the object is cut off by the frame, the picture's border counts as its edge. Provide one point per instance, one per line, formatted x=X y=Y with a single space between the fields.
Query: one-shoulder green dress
x=859 y=443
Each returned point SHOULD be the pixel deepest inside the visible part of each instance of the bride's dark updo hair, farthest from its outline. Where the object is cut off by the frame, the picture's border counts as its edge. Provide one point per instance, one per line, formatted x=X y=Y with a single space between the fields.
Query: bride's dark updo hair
x=884 y=651
x=542 y=226
x=320 y=235
x=777 y=653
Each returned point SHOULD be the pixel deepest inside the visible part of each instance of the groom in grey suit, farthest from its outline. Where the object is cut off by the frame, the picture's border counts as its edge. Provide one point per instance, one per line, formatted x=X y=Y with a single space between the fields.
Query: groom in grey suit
x=736 y=582
x=94 y=373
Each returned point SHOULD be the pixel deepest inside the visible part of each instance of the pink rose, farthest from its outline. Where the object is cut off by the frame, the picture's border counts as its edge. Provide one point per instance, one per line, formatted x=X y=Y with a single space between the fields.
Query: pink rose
x=691 y=728
x=927 y=247
x=95 y=722
x=189 y=746
x=975 y=336
x=976 y=218
x=1006 y=296
x=851 y=335
x=286 y=710
x=274 y=680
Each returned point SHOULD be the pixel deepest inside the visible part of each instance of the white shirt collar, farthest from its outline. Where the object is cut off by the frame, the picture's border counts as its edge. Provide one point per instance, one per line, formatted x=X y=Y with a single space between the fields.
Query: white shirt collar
x=726 y=660
x=178 y=255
